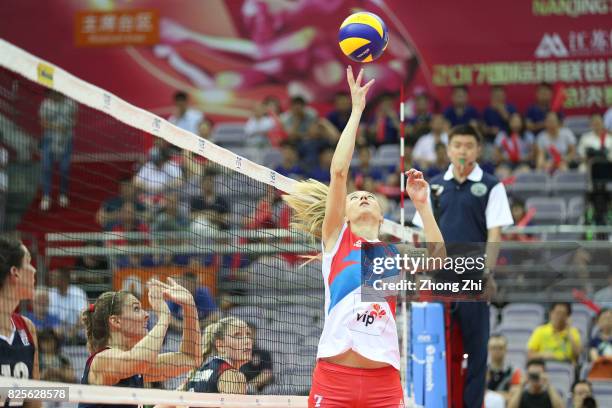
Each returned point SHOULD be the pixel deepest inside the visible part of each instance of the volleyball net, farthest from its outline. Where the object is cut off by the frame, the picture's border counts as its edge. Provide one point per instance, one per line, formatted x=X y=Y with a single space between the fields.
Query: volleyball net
x=143 y=199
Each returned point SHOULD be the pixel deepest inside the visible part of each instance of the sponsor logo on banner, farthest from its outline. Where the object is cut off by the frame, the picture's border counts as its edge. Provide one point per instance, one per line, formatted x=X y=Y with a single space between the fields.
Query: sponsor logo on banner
x=272 y=177
x=116 y=28
x=586 y=43
x=551 y=45
x=45 y=74
x=430 y=351
x=571 y=8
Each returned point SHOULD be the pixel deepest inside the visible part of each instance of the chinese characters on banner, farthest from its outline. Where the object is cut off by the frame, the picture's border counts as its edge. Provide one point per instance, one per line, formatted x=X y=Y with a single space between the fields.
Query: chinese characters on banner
x=116 y=28
x=580 y=61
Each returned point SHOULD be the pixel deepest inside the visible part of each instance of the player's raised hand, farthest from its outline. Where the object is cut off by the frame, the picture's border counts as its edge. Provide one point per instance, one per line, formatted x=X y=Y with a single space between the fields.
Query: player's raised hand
x=416 y=187
x=358 y=92
x=174 y=292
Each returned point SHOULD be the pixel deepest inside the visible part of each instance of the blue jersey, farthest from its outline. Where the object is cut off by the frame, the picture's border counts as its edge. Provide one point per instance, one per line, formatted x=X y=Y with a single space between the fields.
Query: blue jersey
x=206 y=378
x=135 y=381
x=17 y=355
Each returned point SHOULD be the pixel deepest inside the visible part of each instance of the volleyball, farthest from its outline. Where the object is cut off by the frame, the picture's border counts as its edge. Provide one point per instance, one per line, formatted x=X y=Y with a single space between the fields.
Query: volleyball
x=363 y=37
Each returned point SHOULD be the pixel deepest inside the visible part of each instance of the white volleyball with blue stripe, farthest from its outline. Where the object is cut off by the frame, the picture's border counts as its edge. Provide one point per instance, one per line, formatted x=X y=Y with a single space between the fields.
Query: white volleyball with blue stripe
x=363 y=37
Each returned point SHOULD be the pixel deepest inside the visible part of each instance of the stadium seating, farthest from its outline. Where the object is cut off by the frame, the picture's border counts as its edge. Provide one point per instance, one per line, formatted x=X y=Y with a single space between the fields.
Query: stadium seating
x=229 y=134
x=530 y=184
x=561 y=375
x=569 y=184
x=549 y=210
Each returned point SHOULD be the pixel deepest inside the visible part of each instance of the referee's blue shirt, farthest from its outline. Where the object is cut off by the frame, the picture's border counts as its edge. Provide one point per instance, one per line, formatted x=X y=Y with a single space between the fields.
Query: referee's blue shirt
x=468 y=210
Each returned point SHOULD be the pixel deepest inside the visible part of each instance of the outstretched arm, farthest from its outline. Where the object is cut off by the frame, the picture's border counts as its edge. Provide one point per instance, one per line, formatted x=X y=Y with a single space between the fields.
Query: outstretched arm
x=339 y=170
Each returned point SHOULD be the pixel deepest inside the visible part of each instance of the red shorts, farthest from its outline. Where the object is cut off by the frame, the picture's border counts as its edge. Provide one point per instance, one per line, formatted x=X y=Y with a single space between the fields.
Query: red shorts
x=336 y=386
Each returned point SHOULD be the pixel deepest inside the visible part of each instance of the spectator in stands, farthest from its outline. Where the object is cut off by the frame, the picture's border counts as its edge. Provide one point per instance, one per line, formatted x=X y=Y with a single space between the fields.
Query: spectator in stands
x=92 y=262
x=109 y=210
x=497 y=115
x=600 y=352
x=298 y=119
x=66 y=301
x=54 y=366
x=581 y=390
x=203 y=298
x=556 y=145
x=321 y=135
x=290 y=165
x=128 y=219
x=441 y=163
x=227 y=346
x=556 y=340
x=170 y=218
x=502 y=377
x=536 y=390
x=4 y=159
x=321 y=170
x=608 y=119
x=536 y=113
x=185 y=117
x=384 y=127
x=364 y=169
x=424 y=152
x=603 y=297
x=461 y=112
x=258 y=371
x=418 y=124
x=258 y=126
x=515 y=146
x=597 y=143
x=342 y=110
x=273 y=105
x=208 y=208
x=160 y=174
x=57 y=118
x=40 y=316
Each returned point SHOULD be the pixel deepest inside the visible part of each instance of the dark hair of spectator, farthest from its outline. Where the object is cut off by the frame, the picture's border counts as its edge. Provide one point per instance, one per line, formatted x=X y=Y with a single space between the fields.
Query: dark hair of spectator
x=536 y=361
x=589 y=402
x=190 y=275
x=11 y=254
x=342 y=94
x=499 y=336
x=497 y=88
x=582 y=382
x=180 y=96
x=49 y=334
x=567 y=305
x=460 y=88
x=545 y=85
x=517 y=202
x=465 y=130
x=602 y=311
x=298 y=100
x=96 y=322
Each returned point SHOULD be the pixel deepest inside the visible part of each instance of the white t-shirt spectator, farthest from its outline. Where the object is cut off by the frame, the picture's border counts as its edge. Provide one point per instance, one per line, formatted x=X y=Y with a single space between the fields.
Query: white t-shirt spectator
x=494 y=400
x=257 y=129
x=190 y=121
x=608 y=119
x=591 y=140
x=425 y=147
x=67 y=308
x=155 y=179
x=564 y=140
x=524 y=143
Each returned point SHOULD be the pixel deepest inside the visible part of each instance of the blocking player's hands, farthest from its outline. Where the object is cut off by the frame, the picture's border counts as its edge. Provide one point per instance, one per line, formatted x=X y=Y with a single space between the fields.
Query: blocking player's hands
x=417 y=188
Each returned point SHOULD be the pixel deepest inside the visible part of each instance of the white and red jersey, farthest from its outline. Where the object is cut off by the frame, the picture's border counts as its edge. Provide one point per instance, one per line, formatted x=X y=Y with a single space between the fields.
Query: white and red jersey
x=367 y=328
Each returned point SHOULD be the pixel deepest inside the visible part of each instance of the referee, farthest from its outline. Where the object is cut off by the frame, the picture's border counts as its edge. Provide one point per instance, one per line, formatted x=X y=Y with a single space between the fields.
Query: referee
x=471 y=208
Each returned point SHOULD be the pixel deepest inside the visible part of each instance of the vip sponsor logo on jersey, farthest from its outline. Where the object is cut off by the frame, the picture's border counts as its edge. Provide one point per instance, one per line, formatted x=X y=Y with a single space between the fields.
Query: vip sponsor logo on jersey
x=371 y=314
x=357 y=244
x=597 y=41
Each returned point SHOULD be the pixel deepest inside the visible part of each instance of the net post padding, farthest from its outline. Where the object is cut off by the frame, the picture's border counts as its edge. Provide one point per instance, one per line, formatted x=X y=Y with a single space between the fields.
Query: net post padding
x=46 y=74
x=98 y=394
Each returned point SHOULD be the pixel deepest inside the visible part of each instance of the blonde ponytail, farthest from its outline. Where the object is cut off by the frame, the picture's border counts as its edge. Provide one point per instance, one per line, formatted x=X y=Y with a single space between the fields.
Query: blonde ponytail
x=216 y=331
x=308 y=201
